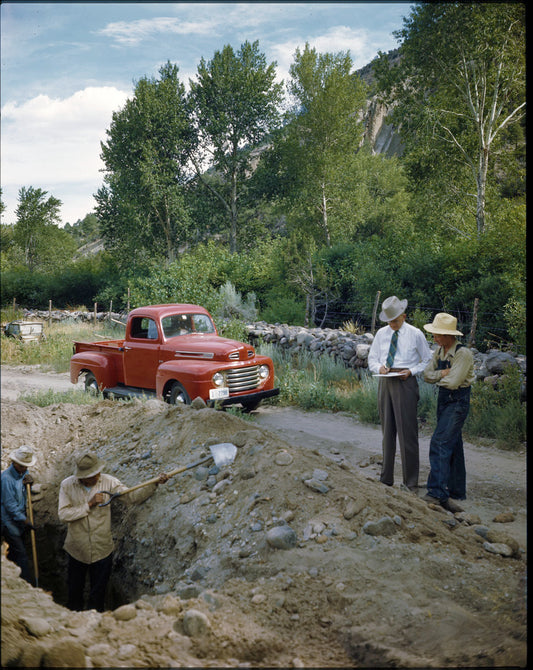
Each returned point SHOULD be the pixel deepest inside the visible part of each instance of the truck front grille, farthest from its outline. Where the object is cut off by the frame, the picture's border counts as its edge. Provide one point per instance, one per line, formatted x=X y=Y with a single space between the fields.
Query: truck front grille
x=243 y=379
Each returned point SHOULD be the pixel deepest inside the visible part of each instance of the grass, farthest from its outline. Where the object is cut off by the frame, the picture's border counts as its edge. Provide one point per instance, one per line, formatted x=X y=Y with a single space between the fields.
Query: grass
x=54 y=351
x=314 y=382
x=50 y=397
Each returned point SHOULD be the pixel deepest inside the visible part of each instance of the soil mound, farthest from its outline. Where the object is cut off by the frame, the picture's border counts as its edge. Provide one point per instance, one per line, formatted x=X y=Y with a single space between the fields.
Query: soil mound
x=284 y=558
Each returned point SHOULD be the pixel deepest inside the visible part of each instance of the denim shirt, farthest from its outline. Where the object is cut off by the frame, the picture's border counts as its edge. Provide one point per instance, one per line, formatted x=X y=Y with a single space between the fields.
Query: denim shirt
x=13 y=500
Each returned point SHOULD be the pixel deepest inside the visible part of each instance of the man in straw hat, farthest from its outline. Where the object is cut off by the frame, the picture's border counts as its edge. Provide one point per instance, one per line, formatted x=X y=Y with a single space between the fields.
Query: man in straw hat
x=398 y=353
x=14 y=498
x=452 y=369
x=89 y=542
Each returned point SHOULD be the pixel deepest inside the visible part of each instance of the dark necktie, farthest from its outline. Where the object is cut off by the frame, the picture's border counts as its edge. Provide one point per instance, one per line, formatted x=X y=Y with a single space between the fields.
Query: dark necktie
x=392 y=349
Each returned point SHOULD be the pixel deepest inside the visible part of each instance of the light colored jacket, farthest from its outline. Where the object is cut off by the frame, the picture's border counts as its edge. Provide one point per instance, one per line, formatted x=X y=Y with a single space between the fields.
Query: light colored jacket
x=461 y=372
x=89 y=537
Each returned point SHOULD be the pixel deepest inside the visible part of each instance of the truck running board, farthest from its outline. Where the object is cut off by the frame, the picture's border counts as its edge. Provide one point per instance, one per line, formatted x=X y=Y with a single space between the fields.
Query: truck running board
x=127 y=392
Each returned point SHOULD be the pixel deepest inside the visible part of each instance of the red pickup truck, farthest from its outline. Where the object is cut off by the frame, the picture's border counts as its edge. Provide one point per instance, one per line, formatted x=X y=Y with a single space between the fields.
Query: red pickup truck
x=174 y=352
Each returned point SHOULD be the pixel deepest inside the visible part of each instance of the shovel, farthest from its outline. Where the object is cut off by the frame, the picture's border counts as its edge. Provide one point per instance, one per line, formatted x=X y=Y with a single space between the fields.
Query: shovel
x=223 y=454
x=32 y=534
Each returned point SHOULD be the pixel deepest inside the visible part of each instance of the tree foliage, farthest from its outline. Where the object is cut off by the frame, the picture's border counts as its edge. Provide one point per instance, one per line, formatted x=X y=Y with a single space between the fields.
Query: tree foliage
x=141 y=208
x=235 y=103
x=458 y=87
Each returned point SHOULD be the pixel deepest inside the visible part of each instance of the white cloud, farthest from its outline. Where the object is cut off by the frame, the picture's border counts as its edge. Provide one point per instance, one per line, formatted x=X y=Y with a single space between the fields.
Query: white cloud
x=337 y=38
x=131 y=33
x=58 y=141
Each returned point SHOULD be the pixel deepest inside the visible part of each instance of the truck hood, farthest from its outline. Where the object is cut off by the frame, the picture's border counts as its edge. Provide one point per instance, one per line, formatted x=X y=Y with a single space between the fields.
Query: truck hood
x=210 y=347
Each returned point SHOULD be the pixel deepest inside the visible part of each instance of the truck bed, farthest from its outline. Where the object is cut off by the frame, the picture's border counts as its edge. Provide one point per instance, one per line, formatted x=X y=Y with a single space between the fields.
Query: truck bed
x=105 y=345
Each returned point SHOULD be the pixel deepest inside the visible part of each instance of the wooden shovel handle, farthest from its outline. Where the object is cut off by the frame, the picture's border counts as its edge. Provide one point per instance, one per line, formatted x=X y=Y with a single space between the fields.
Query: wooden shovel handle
x=154 y=480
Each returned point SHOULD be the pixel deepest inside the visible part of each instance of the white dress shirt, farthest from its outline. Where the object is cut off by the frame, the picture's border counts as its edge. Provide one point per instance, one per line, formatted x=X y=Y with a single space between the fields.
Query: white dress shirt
x=412 y=352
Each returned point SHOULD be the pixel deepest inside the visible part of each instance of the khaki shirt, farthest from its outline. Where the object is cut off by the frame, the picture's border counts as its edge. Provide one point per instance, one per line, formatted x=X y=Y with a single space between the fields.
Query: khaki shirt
x=461 y=372
x=89 y=537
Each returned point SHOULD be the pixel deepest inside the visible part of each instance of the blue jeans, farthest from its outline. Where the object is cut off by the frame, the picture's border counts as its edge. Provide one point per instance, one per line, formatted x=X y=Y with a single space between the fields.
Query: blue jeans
x=16 y=549
x=447 y=476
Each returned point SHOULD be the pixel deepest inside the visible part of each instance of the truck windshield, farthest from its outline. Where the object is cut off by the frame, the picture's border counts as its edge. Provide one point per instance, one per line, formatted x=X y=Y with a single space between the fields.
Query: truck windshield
x=185 y=324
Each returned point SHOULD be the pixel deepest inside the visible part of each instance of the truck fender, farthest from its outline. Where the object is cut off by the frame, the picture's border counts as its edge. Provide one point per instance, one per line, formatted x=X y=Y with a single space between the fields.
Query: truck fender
x=101 y=366
x=188 y=373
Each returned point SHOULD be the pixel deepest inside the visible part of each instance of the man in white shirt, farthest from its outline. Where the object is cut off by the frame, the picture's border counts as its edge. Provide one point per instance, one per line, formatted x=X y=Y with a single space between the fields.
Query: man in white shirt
x=399 y=352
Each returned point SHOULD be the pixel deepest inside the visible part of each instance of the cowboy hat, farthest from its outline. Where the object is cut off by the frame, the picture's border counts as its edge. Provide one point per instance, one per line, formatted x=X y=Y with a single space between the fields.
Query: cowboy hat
x=391 y=308
x=443 y=324
x=23 y=456
x=88 y=465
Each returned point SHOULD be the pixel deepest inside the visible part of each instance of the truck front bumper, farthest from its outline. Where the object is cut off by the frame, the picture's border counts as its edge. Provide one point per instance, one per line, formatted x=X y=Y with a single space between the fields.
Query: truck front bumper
x=248 y=399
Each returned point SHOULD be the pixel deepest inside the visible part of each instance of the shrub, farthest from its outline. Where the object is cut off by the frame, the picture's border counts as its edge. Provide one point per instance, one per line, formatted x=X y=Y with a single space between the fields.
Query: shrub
x=497 y=412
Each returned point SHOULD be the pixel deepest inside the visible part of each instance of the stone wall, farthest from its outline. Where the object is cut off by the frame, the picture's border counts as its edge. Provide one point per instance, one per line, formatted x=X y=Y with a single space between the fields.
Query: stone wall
x=352 y=350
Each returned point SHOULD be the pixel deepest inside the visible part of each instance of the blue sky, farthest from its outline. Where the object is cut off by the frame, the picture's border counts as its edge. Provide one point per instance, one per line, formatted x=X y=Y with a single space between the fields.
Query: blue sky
x=66 y=67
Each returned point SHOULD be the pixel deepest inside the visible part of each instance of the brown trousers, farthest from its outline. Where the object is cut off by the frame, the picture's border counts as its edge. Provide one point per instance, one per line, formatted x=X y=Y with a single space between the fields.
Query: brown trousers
x=397 y=404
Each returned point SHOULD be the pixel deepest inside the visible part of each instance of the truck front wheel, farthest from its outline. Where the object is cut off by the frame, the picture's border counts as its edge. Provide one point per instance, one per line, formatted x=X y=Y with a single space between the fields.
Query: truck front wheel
x=178 y=394
x=91 y=385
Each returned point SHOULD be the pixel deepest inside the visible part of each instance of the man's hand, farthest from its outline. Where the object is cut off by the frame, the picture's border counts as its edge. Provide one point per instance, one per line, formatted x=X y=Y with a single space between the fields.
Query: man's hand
x=163 y=478
x=96 y=499
x=444 y=372
x=405 y=373
x=27 y=479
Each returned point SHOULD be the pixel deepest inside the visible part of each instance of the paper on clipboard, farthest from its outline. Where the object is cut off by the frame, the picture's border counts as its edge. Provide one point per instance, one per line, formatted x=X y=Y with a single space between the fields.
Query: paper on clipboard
x=389 y=374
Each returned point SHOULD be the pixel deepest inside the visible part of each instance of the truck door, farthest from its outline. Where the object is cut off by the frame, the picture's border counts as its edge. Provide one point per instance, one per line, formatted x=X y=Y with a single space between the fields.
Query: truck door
x=141 y=353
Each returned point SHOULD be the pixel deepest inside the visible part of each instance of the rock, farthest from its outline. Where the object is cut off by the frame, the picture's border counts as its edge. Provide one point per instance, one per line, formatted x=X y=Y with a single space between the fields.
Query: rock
x=354 y=507
x=195 y=623
x=499 y=537
x=320 y=475
x=504 y=517
x=281 y=537
x=198 y=403
x=385 y=526
x=125 y=612
x=127 y=651
x=64 y=654
x=36 y=626
x=498 y=548
x=316 y=485
x=283 y=458
x=498 y=361
x=469 y=519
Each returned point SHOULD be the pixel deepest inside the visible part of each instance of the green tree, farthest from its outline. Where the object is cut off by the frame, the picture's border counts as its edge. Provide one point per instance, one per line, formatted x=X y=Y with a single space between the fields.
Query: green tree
x=235 y=102
x=459 y=86
x=36 y=230
x=84 y=230
x=323 y=133
x=141 y=206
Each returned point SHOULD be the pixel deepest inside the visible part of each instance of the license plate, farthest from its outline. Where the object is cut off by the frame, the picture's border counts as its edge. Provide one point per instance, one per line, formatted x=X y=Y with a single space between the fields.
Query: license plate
x=217 y=394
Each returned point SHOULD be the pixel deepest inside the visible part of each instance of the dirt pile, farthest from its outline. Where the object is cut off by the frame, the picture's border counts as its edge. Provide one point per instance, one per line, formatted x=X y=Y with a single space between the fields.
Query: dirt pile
x=283 y=559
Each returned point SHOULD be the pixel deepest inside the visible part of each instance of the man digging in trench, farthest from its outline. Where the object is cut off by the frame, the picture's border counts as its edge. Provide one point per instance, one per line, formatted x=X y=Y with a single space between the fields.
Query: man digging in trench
x=89 y=542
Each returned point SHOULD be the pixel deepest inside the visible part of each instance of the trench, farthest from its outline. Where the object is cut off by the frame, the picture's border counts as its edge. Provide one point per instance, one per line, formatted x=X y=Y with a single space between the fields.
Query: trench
x=52 y=561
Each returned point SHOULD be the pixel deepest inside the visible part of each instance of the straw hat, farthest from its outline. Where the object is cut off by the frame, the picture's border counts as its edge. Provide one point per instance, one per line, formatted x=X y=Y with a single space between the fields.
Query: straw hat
x=443 y=324
x=23 y=456
x=391 y=308
x=88 y=465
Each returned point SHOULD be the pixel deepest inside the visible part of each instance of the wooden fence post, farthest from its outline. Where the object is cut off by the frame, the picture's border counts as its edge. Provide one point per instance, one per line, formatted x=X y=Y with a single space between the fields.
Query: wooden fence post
x=49 y=313
x=474 y=323
x=373 y=329
x=110 y=310
x=95 y=304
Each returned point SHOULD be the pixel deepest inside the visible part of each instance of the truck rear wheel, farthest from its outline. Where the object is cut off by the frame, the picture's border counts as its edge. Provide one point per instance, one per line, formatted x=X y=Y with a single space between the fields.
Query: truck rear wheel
x=91 y=385
x=178 y=395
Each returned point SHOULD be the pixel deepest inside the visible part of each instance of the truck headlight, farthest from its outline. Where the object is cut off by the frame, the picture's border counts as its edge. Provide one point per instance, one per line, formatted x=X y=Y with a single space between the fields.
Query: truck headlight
x=264 y=372
x=218 y=379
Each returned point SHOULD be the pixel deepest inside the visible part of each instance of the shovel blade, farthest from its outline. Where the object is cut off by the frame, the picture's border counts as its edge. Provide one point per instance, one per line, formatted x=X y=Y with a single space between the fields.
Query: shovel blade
x=223 y=454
